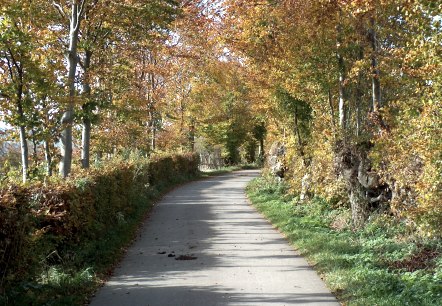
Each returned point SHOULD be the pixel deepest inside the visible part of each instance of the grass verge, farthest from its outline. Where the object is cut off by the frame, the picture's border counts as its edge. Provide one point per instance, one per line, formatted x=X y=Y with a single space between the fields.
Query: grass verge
x=382 y=264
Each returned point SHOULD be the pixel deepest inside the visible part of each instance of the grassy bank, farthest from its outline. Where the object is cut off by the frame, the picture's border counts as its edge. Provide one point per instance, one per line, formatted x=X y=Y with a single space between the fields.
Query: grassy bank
x=59 y=241
x=382 y=264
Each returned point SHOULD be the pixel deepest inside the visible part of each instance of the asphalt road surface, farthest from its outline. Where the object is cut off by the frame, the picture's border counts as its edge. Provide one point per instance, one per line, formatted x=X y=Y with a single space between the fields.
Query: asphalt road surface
x=205 y=245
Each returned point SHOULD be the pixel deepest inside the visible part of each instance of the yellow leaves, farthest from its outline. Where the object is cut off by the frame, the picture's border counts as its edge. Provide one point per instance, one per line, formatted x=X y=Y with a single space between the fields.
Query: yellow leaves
x=65 y=100
x=411 y=157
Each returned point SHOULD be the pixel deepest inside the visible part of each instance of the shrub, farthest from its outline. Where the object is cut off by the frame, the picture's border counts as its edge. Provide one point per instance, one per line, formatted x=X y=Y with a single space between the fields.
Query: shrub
x=42 y=224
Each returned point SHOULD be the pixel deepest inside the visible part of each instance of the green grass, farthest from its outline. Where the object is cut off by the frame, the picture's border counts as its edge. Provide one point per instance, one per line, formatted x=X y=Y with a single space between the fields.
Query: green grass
x=378 y=265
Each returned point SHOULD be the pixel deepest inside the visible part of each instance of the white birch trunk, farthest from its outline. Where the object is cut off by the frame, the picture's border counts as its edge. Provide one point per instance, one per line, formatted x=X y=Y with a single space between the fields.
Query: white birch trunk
x=342 y=77
x=68 y=115
x=24 y=153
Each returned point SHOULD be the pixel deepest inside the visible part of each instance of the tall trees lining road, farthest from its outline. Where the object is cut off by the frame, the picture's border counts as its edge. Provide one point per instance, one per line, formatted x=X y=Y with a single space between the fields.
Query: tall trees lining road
x=350 y=88
x=374 y=65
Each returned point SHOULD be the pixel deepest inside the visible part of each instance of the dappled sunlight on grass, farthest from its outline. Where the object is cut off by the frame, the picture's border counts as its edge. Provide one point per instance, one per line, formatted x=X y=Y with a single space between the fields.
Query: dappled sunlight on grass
x=358 y=266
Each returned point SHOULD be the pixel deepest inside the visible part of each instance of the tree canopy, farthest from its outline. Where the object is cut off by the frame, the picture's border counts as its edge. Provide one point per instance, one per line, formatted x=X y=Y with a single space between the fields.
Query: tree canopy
x=351 y=89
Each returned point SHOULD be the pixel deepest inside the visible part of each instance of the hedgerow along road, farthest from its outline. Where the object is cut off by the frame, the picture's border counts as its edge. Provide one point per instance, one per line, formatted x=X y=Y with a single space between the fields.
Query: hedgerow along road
x=205 y=245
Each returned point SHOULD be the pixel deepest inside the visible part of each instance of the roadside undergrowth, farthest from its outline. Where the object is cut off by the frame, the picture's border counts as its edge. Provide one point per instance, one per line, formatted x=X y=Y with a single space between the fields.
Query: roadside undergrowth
x=60 y=241
x=384 y=263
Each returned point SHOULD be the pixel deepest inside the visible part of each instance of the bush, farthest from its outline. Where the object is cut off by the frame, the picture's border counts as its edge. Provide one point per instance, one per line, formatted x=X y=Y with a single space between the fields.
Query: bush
x=55 y=223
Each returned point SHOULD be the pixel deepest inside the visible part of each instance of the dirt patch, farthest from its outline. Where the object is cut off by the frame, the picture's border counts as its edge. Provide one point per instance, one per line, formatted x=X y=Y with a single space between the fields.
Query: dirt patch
x=422 y=260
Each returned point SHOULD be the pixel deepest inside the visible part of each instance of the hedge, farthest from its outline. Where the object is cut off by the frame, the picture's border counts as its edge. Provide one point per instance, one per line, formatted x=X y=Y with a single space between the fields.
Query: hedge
x=40 y=221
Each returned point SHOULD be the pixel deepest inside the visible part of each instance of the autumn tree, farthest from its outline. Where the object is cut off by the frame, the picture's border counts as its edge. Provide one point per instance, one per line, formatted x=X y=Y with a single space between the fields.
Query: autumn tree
x=21 y=69
x=345 y=60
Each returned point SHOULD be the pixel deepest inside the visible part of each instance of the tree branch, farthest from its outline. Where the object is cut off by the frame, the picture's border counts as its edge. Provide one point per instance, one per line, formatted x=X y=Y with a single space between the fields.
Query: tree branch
x=15 y=63
x=59 y=9
x=80 y=12
x=11 y=72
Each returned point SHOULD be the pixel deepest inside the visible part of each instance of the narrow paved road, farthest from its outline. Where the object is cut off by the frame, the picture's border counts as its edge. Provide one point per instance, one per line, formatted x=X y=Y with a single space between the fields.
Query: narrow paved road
x=229 y=255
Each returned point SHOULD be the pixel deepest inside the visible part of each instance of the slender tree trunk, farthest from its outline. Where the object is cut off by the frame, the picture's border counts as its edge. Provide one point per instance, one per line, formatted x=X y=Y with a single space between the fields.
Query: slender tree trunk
x=261 y=149
x=332 y=111
x=34 y=148
x=358 y=98
x=152 y=130
x=24 y=153
x=87 y=125
x=21 y=116
x=182 y=136
x=181 y=116
x=358 y=102
x=342 y=79
x=99 y=156
x=192 y=135
x=68 y=116
x=46 y=142
x=48 y=157
x=85 y=143
x=376 y=83
x=342 y=93
x=22 y=128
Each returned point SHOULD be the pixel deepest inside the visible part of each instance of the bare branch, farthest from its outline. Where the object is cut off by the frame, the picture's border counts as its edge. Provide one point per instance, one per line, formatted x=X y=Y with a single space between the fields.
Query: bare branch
x=82 y=8
x=15 y=63
x=59 y=9
x=80 y=13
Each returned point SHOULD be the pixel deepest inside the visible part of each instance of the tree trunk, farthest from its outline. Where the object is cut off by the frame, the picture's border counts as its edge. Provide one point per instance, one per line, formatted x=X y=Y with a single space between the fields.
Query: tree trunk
x=87 y=125
x=34 y=148
x=350 y=159
x=342 y=109
x=152 y=130
x=261 y=149
x=21 y=116
x=181 y=117
x=342 y=77
x=68 y=115
x=359 y=204
x=299 y=139
x=22 y=130
x=305 y=187
x=376 y=84
x=98 y=157
x=332 y=111
x=48 y=158
x=24 y=153
x=358 y=99
x=85 y=143
x=192 y=135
